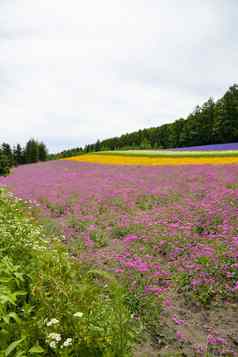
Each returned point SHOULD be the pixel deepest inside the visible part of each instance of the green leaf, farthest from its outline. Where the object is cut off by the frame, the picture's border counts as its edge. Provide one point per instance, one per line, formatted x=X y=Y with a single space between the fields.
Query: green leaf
x=21 y=293
x=6 y=319
x=5 y=280
x=10 y=298
x=21 y=354
x=13 y=346
x=14 y=316
x=36 y=349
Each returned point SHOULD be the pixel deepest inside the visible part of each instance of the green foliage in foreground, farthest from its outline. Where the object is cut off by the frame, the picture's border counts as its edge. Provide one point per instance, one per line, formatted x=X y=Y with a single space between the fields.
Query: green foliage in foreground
x=50 y=305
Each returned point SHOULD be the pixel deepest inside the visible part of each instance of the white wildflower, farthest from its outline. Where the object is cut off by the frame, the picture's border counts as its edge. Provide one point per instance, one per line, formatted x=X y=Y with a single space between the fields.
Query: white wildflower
x=53 y=344
x=52 y=322
x=58 y=338
x=78 y=314
x=67 y=342
x=54 y=336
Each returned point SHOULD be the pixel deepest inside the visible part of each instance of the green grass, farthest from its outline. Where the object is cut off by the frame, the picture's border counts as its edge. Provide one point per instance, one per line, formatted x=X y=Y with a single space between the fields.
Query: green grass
x=51 y=304
x=169 y=153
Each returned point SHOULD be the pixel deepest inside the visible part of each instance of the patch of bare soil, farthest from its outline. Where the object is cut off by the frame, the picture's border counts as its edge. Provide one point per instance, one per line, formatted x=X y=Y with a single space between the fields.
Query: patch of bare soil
x=186 y=332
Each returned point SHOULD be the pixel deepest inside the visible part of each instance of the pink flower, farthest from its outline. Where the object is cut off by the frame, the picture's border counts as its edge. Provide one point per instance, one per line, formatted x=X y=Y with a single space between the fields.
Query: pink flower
x=196 y=282
x=236 y=286
x=130 y=238
x=213 y=340
x=156 y=290
x=180 y=336
x=178 y=321
x=137 y=264
x=235 y=240
x=168 y=302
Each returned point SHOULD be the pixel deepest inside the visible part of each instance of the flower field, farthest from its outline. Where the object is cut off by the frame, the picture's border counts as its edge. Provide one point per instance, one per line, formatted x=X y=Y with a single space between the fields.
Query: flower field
x=214 y=147
x=155 y=158
x=168 y=233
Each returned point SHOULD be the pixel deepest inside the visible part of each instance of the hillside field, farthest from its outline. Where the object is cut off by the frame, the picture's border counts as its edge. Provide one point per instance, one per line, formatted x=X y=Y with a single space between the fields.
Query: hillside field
x=168 y=234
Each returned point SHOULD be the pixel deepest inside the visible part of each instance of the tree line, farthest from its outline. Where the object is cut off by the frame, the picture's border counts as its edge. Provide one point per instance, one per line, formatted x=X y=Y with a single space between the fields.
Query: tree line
x=33 y=151
x=67 y=153
x=211 y=123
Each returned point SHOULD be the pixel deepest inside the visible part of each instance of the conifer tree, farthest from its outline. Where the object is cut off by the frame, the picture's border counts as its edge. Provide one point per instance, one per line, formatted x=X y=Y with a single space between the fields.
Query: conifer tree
x=4 y=164
x=7 y=151
x=18 y=155
x=31 y=151
x=42 y=152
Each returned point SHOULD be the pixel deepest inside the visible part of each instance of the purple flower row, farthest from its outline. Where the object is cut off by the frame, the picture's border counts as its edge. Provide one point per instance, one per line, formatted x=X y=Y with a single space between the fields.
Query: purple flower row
x=214 y=147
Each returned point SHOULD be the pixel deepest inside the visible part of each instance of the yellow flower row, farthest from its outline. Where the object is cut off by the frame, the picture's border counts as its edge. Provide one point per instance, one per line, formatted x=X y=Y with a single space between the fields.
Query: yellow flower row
x=154 y=161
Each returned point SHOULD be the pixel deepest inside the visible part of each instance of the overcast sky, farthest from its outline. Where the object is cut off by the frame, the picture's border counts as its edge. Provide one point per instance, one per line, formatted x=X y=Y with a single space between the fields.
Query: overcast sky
x=74 y=71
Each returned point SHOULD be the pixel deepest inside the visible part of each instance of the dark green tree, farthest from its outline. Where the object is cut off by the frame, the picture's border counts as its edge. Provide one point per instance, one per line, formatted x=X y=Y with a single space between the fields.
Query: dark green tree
x=7 y=151
x=42 y=151
x=18 y=155
x=226 y=117
x=4 y=164
x=31 y=151
x=97 y=145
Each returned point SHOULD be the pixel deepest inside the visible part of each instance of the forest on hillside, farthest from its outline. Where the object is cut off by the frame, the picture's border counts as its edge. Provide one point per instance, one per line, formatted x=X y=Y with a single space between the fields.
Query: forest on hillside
x=211 y=123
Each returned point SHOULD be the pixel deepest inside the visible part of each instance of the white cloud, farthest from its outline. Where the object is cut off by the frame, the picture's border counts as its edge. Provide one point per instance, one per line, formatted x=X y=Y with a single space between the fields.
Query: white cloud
x=74 y=71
